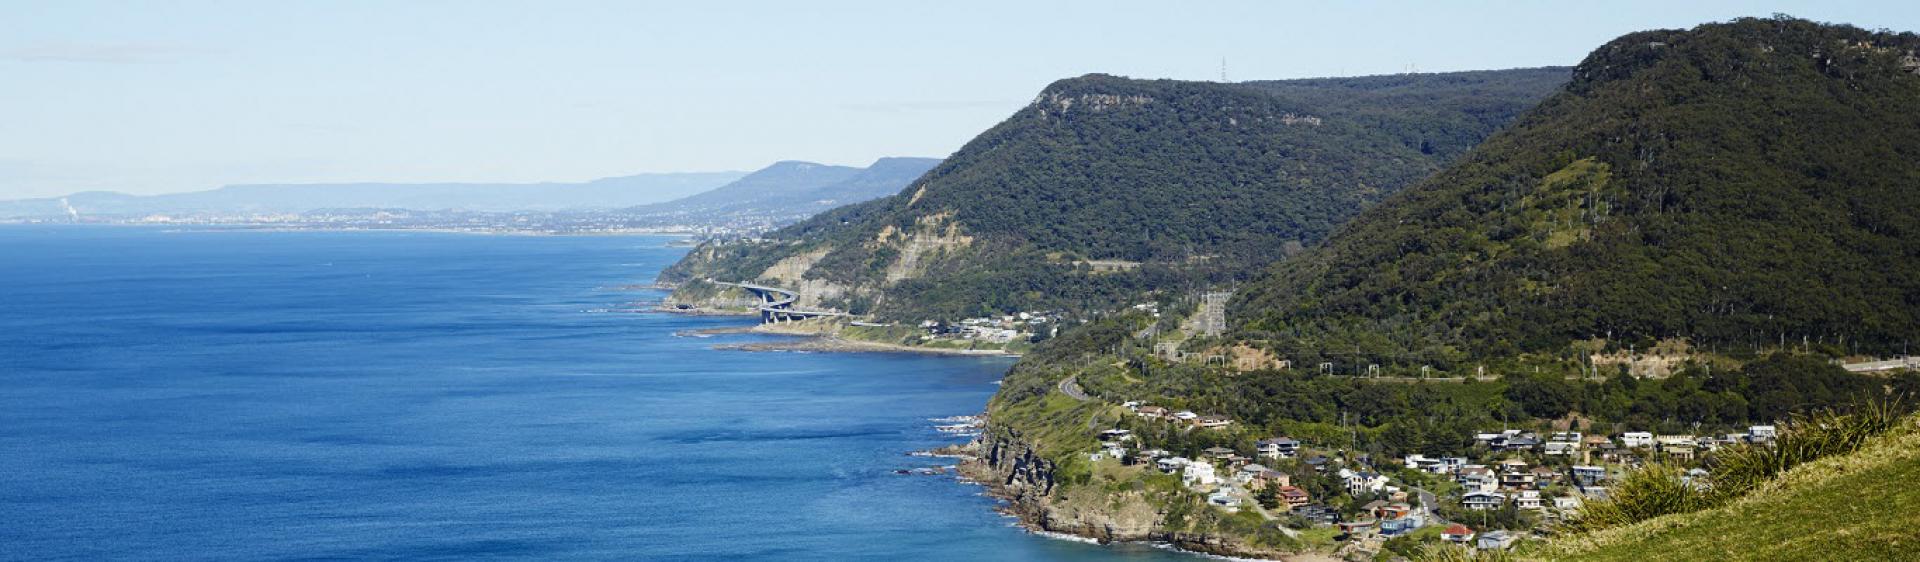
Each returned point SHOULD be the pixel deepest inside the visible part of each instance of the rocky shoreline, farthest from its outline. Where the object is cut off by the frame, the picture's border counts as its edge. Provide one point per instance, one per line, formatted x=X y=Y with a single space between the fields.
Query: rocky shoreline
x=1008 y=469
x=835 y=344
x=1016 y=474
x=822 y=339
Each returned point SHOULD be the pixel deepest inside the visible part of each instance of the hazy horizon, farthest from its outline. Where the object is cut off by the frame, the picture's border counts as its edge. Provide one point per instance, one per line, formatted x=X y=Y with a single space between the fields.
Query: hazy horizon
x=149 y=99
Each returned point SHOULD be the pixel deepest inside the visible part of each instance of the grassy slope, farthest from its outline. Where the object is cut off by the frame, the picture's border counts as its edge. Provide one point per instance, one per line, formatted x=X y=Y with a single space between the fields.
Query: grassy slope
x=1854 y=507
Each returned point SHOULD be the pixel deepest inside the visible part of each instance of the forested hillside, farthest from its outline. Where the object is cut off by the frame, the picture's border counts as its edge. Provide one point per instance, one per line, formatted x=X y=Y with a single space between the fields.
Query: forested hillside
x=1104 y=188
x=1741 y=185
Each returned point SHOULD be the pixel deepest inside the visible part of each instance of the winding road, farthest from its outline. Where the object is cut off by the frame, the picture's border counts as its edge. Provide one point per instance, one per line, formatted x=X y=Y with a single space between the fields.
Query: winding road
x=1072 y=389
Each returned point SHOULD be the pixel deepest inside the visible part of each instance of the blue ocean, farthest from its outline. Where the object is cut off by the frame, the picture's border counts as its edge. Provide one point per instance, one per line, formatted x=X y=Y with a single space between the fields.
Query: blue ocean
x=246 y=395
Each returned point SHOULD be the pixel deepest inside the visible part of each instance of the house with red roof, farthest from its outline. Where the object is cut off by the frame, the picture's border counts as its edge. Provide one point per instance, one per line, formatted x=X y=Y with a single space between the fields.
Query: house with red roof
x=1457 y=533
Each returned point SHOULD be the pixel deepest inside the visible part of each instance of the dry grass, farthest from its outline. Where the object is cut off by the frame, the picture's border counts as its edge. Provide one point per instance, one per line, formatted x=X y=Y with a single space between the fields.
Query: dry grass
x=1857 y=506
x=1659 y=490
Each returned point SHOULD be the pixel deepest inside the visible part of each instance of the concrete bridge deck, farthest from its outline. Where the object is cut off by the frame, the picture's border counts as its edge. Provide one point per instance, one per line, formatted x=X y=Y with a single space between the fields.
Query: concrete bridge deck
x=776 y=304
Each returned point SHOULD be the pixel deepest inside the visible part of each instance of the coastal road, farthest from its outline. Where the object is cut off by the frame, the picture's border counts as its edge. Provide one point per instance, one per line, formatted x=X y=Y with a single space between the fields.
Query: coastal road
x=1428 y=504
x=1072 y=389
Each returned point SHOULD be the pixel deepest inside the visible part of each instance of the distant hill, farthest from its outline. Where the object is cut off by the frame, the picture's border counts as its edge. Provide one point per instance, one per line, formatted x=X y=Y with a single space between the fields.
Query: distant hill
x=1105 y=187
x=604 y=193
x=785 y=192
x=1740 y=185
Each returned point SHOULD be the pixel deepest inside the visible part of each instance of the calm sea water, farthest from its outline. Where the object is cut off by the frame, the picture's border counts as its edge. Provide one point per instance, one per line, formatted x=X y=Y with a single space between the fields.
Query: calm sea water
x=261 y=395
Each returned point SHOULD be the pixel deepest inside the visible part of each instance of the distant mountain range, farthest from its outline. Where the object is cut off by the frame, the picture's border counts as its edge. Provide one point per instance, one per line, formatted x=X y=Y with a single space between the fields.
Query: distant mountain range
x=606 y=193
x=786 y=192
x=733 y=203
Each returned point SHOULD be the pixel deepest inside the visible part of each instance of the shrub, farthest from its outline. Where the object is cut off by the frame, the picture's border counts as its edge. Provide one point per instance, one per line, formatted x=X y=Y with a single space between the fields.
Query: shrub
x=1741 y=469
x=1662 y=489
x=1652 y=491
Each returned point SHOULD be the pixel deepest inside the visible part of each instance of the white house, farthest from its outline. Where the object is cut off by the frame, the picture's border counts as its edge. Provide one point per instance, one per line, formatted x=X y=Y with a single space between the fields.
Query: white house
x=1171 y=464
x=1198 y=474
x=1528 y=499
x=1480 y=501
x=1478 y=477
x=1566 y=503
x=1762 y=434
x=1640 y=439
x=1425 y=463
x=1278 y=447
x=1363 y=482
x=1213 y=422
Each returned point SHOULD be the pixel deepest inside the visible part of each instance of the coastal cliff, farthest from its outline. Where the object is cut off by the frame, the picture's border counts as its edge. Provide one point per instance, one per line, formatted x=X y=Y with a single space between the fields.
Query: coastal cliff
x=1016 y=472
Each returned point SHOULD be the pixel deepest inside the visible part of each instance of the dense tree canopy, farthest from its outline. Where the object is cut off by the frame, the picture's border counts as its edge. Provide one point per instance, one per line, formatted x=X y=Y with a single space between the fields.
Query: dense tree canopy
x=1197 y=182
x=1740 y=185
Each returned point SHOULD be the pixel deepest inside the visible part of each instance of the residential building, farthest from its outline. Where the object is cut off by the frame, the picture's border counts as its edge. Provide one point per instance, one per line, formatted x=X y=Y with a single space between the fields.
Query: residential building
x=1358 y=483
x=1495 y=540
x=1516 y=480
x=1279 y=447
x=1213 y=422
x=1397 y=527
x=1257 y=476
x=1198 y=474
x=1477 y=478
x=1482 y=500
x=1318 y=514
x=1359 y=529
x=1528 y=499
x=1636 y=439
x=1568 y=502
x=1678 y=451
x=1457 y=534
x=1585 y=476
x=1293 y=497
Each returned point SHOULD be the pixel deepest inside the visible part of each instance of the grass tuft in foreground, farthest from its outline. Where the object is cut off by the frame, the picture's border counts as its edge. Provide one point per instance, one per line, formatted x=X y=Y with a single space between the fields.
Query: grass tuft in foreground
x=1659 y=489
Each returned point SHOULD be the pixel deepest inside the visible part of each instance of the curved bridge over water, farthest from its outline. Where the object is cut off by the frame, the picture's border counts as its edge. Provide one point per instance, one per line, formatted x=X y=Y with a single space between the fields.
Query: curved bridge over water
x=776 y=304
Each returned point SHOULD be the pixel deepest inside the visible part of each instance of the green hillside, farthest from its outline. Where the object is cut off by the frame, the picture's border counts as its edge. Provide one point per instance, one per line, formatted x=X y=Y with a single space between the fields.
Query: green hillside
x=1739 y=185
x=1851 y=507
x=1106 y=187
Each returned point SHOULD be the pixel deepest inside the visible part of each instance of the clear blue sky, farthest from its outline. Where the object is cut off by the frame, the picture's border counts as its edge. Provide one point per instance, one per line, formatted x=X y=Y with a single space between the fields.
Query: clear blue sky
x=150 y=97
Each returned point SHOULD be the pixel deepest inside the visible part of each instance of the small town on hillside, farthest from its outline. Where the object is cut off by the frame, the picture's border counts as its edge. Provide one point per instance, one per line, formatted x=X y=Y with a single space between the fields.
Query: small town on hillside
x=1513 y=482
